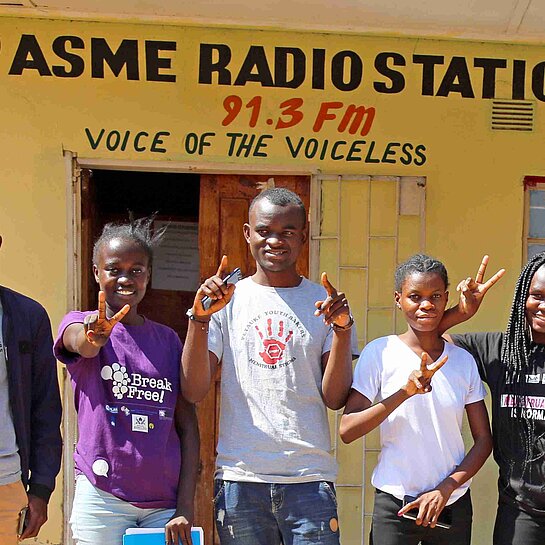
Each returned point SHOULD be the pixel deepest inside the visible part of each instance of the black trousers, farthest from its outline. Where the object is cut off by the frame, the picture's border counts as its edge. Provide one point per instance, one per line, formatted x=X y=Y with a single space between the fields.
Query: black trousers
x=516 y=527
x=389 y=529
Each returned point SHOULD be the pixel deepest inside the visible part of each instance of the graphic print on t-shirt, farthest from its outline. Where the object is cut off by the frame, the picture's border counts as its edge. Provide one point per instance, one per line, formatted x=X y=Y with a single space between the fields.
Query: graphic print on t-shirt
x=271 y=334
x=131 y=389
x=135 y=385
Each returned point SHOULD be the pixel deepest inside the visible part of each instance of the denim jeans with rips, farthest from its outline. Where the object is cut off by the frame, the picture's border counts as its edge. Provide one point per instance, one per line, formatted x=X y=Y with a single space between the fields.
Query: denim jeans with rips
x=250 y=513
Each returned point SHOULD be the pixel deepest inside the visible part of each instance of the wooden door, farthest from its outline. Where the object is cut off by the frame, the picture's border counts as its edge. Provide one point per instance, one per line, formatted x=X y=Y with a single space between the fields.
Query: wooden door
x=224 y=203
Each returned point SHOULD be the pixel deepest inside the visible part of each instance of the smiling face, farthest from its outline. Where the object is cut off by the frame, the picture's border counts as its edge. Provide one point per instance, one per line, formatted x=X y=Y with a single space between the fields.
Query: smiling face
x=276 y=235
x=122 y=272
x=423 y=299
x=535 y=306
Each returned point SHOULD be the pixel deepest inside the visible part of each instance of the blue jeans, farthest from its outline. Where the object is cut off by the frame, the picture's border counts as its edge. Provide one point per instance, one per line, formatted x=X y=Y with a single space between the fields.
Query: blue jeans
x=98 y=518
x=274 y=514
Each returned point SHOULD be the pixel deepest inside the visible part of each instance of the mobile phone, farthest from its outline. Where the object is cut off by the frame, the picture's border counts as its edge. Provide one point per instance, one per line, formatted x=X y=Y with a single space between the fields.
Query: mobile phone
x=22 y=520
x=231 y=278
x=444 y=520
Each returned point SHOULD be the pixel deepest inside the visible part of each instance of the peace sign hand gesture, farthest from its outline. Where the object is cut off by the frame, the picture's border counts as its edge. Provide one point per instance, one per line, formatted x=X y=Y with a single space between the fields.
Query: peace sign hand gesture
x=419 y=381
x=216 y=289
x=97 y=326
x=334 y=308
x=472 y=291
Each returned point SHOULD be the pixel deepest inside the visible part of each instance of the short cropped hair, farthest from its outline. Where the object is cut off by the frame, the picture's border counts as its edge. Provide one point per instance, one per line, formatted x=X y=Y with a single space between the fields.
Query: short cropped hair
x=419 y=263
x=280 y=196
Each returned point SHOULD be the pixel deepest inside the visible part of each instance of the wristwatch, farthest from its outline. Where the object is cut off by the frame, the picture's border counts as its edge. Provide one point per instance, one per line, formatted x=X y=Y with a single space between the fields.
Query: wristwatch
x=343 y=327
x=193 y=318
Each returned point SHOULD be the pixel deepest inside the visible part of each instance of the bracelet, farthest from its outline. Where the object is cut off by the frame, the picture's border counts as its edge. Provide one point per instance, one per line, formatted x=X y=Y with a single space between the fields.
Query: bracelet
x=346 y=327
x=193 y=318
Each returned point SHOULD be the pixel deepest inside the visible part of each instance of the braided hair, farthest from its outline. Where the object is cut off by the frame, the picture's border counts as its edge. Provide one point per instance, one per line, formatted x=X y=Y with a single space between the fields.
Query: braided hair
x=516 y=357
x=138 y=230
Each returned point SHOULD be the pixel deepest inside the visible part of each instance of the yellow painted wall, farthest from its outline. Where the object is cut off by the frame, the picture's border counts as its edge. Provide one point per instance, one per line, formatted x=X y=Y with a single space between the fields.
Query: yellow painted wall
x=474 y=196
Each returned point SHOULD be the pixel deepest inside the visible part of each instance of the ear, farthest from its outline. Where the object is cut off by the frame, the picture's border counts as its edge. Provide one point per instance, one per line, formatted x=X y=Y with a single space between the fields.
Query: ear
x=246 y=231
x=397 y=297
x=95 y=273
x=305 y=233
x=446 y=296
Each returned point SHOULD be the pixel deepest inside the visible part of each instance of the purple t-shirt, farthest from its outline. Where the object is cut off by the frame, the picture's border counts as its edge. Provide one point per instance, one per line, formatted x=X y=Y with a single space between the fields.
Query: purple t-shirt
x=125 y=398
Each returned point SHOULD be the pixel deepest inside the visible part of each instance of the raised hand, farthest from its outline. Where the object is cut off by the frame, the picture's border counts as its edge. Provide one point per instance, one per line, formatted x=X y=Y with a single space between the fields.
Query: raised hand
x=419 y=381
x=97 y=326
x=472 y=290
x=334 y=308
x=213 y=287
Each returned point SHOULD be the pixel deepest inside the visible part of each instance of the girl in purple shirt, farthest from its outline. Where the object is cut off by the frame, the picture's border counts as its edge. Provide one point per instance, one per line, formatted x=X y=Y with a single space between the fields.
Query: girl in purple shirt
x=137 y=454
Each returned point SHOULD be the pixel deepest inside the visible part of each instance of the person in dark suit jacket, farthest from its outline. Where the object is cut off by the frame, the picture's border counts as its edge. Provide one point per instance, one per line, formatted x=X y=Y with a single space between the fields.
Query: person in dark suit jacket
x=30 y=415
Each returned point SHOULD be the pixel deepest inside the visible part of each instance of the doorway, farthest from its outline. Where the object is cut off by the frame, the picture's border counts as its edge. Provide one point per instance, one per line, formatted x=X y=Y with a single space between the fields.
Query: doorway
x=214 y=207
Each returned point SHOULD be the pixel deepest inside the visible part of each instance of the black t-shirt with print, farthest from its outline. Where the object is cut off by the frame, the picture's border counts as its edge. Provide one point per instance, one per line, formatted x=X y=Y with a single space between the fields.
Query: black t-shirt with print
x=526 y=489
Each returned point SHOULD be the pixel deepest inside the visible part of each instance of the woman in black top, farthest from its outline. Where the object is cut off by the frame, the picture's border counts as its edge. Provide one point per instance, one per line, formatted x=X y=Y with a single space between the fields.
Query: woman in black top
x=513 y=366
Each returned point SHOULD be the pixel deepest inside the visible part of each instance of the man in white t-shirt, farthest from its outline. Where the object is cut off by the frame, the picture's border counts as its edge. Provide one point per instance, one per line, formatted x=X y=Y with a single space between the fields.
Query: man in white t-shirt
x=286 y=347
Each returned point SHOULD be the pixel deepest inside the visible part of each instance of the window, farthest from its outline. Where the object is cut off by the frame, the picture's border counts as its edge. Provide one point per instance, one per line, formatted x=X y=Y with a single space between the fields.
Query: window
x=534 y=215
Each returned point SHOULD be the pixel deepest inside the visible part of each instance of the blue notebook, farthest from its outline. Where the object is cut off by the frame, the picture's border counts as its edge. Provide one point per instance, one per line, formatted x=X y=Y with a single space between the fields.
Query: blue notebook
x=156 y=536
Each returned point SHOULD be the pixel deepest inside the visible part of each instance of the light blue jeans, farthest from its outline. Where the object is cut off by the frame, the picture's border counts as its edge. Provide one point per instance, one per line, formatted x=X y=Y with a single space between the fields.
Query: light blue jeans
x=271 y=514
x=98 y=518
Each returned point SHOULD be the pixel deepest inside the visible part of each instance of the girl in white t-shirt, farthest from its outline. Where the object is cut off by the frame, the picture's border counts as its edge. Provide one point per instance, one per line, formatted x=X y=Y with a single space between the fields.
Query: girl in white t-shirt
x=422 y=458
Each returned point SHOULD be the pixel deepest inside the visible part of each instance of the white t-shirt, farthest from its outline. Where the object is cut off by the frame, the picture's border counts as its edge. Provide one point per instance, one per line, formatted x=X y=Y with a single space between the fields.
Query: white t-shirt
x=273 y=424
x=421 y=440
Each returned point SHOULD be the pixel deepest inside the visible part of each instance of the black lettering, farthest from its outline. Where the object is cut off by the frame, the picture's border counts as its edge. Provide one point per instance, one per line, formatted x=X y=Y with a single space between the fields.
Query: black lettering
x=294 y=150
x=311 y=148
x=318 y=68
x=489 y=67
x=261 y=144
x=406 y=149
x=396 y=78
x=126 y=55
x=519 y=80
x=281 y=67
x=337 y=70
x=154 y=62
x=28 y=45
x=456 y=79
x=76 y=64
x=324 y=150
x=420 y=158
x=538 y=77
x=390 y=151
x=92 y=141
x=158 y=141
x=207 y=66
x=112 y=140
x=428 y=63
x=192 y=142
x=369 y=157
x=355 y=148
x=256 y=58
x=125 y=140
x=137 y=145
x=334 y=155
